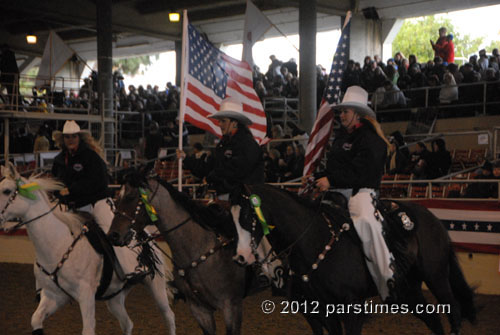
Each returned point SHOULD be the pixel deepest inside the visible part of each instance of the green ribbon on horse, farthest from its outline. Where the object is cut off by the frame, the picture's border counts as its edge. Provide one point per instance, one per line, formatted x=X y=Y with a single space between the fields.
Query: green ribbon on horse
x=256 y=202
x=153 y=215
x=26 y=190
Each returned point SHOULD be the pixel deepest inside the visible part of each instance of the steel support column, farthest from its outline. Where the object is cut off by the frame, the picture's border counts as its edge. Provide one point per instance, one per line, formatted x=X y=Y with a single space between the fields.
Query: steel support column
x=307 y=82
x=105 y=65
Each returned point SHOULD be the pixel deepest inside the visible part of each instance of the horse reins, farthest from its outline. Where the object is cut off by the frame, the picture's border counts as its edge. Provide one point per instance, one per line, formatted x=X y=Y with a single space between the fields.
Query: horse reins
x=22 y=223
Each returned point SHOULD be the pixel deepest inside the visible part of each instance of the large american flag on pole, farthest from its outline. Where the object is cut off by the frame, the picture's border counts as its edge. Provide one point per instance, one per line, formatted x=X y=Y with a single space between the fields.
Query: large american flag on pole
x=210 y=76
x=323 y=125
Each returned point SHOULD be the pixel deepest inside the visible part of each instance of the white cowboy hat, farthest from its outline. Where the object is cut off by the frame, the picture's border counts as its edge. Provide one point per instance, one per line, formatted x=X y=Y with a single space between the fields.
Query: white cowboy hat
x=71 y=127
x=233 y=109
x=356 y=98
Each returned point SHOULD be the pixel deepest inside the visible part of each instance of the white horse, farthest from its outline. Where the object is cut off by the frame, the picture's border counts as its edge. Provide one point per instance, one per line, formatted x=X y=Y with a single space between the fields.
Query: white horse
x=53 y=233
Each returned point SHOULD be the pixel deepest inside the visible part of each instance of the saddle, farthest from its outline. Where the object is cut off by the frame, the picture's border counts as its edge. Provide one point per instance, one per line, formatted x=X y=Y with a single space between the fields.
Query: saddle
x=396 y=219
x=98 y=241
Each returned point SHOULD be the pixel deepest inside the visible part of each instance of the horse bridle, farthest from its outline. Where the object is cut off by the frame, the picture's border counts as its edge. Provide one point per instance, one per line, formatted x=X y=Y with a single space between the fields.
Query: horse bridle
x=22 y=223
x=287 y=251
x=138 y=209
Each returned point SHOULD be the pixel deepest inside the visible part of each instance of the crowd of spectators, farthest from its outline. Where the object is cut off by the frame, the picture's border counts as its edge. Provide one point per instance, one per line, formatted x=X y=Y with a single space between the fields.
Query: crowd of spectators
x=400 y=82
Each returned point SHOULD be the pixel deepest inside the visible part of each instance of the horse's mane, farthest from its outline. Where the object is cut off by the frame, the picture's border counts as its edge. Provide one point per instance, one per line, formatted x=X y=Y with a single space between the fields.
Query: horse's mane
x=304 y=201
x=195 y=209
x=72 y=220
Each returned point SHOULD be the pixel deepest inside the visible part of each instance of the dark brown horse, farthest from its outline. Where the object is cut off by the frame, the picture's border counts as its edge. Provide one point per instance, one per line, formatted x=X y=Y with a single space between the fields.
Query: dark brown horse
x=328 y=264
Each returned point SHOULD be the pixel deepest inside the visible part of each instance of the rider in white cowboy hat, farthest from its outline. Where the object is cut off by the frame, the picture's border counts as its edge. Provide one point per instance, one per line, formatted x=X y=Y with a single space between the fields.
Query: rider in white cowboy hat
x=355 y=167
x=82 y=169
x=238 y=160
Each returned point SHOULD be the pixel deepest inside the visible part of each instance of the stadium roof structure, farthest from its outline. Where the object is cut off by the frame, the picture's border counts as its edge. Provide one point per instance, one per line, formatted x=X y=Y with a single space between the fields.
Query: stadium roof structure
x=142 y=26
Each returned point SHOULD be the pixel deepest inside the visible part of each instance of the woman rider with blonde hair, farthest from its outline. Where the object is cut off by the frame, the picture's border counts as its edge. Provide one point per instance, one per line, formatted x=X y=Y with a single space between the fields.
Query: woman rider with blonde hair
x=355 y=166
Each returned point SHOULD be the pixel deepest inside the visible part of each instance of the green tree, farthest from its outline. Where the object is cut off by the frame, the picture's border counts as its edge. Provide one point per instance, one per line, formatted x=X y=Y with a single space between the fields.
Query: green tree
x=493 y=45
x=132 y=65
x=415 y=35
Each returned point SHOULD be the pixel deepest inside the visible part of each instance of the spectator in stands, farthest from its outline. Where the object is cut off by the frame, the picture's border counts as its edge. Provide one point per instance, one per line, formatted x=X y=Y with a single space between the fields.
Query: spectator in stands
x=278 y=134
x=366 y=63
x=433 y=82
x=496 y=175
x=413 y=61
x=287 y=163
x=393 y=76
x=419 y=161
x=439 y=160
x=41 y=141
x=457 y=75
x=470 y=94
x=153 y=142
x=483 y=61
x=379 y=62
x=482 y=190
x=393 y=97
x=271 y=166
x=24 y=141
x=440 y=46
x=449 y=92
x=291 y=65
x=398 y=59
x=350 y=77
x=9 y=78
x=274 y=68
x=496 y=54
x=449 y=50
x=398 y=158
x=260 y=89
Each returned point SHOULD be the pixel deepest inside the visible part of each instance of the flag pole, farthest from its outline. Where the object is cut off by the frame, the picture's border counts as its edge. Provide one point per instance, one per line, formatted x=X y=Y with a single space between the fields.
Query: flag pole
x=182 y=105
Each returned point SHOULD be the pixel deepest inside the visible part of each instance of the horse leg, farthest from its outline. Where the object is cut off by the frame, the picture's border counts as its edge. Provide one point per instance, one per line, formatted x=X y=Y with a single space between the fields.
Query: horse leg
x=204 y=316
x=158 y=289
x=47 y=306
x=413 y=297
x=86 y=300
x=116 y=306
x=232 y=313
x=441 y=289
x=315 y=323
x=353 y=323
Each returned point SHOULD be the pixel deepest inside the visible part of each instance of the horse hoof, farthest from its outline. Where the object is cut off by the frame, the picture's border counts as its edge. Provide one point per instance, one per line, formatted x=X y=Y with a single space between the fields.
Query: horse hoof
x=37 y=332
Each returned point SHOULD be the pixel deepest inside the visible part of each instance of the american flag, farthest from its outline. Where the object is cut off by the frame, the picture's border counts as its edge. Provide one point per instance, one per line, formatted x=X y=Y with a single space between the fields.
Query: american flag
x=322 y=128
x=211 y=76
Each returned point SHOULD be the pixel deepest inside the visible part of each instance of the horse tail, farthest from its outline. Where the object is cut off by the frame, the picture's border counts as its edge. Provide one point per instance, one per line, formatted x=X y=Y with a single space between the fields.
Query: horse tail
x=461 y=290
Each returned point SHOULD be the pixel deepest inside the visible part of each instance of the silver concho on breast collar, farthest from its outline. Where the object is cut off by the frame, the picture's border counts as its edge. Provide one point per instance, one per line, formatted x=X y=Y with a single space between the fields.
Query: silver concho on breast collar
x=228 y=153
x=406 y=221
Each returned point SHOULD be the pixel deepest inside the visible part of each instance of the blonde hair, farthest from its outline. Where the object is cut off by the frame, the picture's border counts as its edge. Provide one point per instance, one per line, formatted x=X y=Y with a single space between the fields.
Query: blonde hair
x=378 y=129
x=85 y=137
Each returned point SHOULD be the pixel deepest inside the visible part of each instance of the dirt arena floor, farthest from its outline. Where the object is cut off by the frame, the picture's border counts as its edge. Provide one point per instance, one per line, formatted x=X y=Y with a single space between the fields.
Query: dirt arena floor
x=17 y=303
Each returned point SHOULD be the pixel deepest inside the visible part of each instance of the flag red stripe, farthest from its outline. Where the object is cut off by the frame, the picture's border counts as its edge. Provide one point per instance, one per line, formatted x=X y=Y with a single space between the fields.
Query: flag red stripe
x=233 y=75
x=256 y=111
x=199 y=124
x=195 y=107
x=236 y=62
x=208 y=99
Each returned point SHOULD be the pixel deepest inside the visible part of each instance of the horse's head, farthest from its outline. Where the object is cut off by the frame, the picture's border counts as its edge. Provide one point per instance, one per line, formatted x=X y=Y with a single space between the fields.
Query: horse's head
x=248 y=227
x=130 y=212
x=12 y=204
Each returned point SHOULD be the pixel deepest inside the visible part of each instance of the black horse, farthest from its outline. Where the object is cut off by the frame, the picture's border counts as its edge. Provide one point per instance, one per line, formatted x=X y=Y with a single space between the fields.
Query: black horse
x=328 y=265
